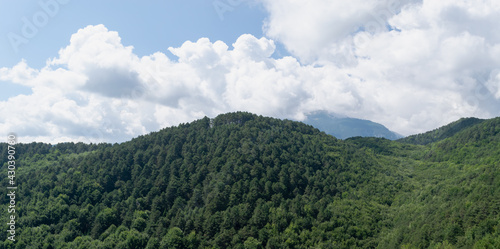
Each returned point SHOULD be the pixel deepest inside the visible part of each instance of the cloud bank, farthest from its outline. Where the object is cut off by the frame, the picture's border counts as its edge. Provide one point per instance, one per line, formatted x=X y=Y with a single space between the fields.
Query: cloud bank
x=410 y=65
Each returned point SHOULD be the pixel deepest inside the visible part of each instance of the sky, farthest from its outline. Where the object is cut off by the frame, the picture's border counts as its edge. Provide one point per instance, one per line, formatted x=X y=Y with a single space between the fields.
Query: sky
x=108 y=71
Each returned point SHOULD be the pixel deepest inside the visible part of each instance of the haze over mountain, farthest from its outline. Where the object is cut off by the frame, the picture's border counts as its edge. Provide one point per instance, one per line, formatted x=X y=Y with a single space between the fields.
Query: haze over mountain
x=246 y=181
x=343 y=127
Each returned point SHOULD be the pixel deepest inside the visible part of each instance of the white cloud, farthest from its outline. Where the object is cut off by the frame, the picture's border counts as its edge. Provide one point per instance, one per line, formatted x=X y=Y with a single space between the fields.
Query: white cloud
x=418 y=64
x=95 y=47
x=411 y=65
x=313 y=29
x=99 y=90
x=20 y=73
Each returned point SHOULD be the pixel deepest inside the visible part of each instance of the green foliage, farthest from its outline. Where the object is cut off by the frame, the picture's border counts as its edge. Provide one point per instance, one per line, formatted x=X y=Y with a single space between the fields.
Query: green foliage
x=245 y=181
x=252 y=243
x=174 y=239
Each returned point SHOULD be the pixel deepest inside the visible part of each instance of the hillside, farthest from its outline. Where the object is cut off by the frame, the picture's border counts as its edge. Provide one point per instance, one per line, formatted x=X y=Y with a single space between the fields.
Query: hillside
x=442 y=132
x=247 y=181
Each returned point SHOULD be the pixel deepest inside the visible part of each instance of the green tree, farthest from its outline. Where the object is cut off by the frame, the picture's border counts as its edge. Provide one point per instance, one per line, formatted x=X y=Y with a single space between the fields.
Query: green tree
x=252 y=243
x=174 y=239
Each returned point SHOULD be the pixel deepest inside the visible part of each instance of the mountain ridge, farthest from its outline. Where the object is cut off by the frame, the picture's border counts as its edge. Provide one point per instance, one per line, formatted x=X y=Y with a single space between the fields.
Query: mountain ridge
x=441 y=132
x=245 y=181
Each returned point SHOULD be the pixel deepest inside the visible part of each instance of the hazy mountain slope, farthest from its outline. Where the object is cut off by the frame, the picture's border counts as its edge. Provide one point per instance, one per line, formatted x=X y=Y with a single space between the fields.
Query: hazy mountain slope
x=345 y=127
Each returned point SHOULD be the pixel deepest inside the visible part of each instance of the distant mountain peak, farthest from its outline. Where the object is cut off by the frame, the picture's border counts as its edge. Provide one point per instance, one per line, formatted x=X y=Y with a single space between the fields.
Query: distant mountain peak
x=342 y=127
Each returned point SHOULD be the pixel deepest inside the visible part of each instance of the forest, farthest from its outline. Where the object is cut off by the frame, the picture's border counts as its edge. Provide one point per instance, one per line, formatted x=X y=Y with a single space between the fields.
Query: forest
x=246 y=181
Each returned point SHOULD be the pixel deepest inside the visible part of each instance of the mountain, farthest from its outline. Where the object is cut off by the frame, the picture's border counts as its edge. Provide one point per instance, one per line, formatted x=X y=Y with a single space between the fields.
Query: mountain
x=344 y=127
x=246 y=181
x=442 y=132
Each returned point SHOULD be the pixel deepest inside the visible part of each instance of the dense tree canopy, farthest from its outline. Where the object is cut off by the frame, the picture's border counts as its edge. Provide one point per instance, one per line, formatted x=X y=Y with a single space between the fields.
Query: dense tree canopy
x=247 y=181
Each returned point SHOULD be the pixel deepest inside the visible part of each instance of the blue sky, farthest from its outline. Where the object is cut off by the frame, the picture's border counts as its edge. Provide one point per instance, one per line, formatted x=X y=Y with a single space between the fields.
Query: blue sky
x=150 y=26
x=111 y=70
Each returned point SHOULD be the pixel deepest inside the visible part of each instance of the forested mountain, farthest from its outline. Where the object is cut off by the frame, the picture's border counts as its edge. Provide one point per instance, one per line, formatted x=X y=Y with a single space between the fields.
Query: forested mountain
x=442 y=132
x=345 y=127
x=247 y=181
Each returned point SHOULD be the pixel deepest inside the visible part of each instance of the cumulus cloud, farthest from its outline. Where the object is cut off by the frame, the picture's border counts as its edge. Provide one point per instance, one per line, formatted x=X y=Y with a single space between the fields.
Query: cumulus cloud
x=315 y=29
x=410 y=65
x=97 y=89
x=419 y=64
